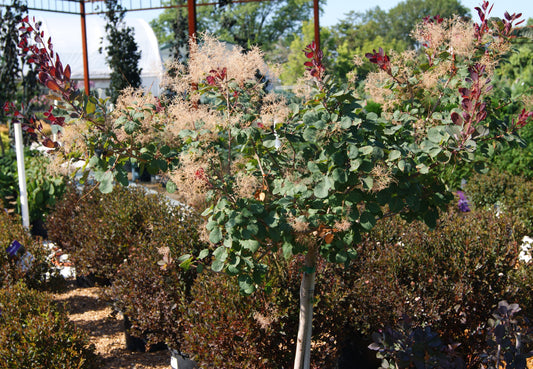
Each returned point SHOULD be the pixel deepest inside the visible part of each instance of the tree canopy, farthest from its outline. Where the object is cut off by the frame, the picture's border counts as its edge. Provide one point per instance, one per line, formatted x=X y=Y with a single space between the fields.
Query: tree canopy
x=362 y=32
x=122 y=53
x=245 y=24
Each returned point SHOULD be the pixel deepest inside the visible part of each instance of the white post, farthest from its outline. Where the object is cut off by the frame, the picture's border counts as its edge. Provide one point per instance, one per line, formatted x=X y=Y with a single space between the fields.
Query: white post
x=19 y=149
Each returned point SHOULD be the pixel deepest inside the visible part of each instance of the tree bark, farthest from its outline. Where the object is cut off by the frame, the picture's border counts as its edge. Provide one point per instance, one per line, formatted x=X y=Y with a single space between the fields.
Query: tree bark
x=302 y=358
x=2 y=149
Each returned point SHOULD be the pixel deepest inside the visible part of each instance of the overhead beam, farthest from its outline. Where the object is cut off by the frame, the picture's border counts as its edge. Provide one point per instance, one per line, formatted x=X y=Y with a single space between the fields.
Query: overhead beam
x=191 y=16
x=316 y=13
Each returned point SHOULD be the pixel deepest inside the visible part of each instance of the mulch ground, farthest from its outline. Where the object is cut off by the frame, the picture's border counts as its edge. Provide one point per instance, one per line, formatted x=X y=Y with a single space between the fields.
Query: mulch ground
x=106 y=330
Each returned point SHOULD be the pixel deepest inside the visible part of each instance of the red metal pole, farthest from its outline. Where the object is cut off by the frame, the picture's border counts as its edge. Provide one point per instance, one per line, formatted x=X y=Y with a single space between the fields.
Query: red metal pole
x=317 y=23
x=191 y=16
x=84 y=47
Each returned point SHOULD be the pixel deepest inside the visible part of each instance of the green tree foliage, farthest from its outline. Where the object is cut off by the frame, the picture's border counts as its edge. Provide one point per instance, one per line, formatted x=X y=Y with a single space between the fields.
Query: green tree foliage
x=10 y=63
x=122 y=53
x=171 y=30
x=361 y=32
x=258 y=23
x=245 y=24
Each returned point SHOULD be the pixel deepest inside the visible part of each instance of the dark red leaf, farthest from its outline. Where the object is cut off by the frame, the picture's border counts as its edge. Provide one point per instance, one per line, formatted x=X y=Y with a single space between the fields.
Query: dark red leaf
x=481 y=116
x=59 y=68
x=48 y=143
x=42 y=77
x=52 y=85
x=466 y=104
x=456 y=119
x=465 y=92
x=67 y=72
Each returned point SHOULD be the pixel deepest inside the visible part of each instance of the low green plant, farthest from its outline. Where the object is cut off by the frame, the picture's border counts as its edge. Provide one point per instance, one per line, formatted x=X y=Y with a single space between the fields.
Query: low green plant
x=35 y=270
x=36 y=333
x=8 y=182
x=503 y=192
x=43 y=190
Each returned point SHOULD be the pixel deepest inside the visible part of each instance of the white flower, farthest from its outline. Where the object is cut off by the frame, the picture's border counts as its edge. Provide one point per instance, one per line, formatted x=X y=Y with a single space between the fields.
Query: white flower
x=525 y=250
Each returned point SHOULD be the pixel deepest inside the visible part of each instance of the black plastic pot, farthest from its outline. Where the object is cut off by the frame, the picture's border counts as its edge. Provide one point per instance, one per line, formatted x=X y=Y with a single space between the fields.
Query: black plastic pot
x=139 y=344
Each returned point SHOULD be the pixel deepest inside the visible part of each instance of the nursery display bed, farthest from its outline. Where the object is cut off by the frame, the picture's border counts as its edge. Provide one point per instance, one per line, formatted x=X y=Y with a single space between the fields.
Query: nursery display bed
x=106 y=330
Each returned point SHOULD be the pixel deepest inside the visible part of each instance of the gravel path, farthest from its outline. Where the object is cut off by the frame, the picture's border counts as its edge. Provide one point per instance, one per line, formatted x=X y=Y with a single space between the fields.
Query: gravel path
x=106 y=331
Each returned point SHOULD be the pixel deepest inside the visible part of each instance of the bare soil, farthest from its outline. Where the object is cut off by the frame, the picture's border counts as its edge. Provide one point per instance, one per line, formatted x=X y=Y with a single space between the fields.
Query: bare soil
x=106 y=330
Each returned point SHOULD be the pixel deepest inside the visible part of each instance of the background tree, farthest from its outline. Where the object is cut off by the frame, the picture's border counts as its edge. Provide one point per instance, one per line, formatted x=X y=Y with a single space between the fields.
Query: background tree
x=514 y=80
x=171 y=30
x=10 y=63
x=122 y=52
x=361 y=32
x=261 y=24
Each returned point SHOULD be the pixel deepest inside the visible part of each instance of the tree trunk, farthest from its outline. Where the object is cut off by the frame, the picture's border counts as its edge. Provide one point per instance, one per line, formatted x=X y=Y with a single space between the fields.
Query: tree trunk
x=2 y=149
x=302 y=358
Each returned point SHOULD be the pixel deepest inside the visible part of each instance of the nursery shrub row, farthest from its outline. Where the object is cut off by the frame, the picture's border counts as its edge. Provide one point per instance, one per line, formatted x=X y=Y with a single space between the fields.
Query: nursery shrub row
x=503 y=192
x=35 y=333
x=450 y=278
x=131 y=240
x=99 y=231
x=29 y=263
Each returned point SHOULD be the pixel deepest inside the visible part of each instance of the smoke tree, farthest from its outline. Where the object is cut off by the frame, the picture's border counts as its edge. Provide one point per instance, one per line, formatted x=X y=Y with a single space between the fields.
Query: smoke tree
x=304 y=178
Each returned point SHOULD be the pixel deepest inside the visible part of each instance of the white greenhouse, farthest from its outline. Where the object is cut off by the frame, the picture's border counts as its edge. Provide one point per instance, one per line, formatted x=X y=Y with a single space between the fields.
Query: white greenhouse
x=67 y=42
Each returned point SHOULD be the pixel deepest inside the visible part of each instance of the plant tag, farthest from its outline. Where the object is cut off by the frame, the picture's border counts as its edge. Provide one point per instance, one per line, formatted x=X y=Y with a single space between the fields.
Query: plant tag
x=174 y=362
x=14 y=248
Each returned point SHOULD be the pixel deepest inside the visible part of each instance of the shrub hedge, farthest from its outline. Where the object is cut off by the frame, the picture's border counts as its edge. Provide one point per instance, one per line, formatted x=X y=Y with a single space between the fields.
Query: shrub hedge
x=11 y=269
x=99 y=230
x=35 y=333
x=151 y=288
x=450 y=278
x=511 y=193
